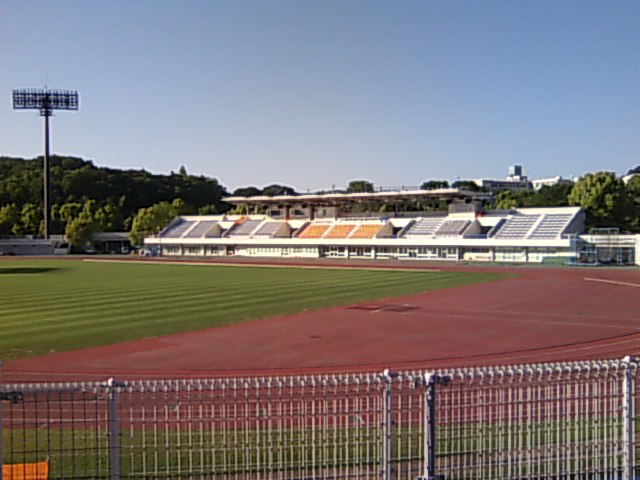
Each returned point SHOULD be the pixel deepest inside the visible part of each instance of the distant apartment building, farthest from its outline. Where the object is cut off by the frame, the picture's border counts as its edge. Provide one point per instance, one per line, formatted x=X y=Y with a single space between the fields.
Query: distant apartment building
x=550 y=182
x=516 y=181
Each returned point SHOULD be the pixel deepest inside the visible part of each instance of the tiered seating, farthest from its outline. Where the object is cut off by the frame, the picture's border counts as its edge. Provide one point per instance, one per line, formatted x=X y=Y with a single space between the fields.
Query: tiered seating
x=245 y=229
x=201 y=228
x=516 y=227
x=178 y=229
x=424 y=227
x=314 y=230
x=340 y=230
x=268 y=229
x=551 y=226
x=366 y=230
x=452 y=228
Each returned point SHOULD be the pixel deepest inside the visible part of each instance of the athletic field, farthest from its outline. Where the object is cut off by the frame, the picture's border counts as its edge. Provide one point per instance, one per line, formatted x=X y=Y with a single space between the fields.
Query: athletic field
x=60 y=305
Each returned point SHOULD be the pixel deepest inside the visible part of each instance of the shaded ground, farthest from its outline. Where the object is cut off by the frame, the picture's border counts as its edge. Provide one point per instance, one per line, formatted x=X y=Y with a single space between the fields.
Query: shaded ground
x=543 y=314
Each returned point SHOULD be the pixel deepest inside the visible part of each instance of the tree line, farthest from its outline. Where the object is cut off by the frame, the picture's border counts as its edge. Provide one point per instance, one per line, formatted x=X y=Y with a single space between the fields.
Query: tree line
x=87 y=198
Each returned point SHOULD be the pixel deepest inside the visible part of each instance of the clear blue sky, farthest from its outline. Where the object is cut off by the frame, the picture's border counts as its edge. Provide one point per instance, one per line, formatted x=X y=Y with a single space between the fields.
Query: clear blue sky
x=317 y=93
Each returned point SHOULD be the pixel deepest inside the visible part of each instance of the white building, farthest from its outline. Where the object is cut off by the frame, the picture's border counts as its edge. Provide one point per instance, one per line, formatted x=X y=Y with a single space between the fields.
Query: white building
x=551 y=181
x=516 y=181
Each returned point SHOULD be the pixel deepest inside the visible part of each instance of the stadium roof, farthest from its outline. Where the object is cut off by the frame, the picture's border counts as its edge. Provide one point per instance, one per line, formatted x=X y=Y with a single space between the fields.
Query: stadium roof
x=341 y=198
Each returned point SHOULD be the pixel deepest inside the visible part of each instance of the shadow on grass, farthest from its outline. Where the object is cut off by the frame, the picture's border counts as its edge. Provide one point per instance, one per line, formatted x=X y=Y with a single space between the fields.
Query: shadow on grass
x=28 y=270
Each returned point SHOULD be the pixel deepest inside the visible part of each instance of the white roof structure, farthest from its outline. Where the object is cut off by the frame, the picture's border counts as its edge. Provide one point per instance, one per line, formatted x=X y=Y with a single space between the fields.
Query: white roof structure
x=443 y=193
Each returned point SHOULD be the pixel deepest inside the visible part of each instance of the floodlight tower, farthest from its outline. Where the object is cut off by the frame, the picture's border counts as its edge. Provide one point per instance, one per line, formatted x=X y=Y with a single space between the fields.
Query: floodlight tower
x=46 y=101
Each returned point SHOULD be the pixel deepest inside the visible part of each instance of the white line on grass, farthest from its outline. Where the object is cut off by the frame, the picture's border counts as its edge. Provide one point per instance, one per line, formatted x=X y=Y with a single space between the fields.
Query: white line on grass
x=260 y=265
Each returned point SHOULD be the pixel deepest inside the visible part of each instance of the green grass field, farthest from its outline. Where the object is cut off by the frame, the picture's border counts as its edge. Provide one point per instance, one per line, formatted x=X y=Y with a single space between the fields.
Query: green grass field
x=58 y=305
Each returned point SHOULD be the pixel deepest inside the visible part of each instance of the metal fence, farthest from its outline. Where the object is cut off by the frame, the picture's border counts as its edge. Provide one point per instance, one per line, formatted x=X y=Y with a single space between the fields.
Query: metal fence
x=561 y=420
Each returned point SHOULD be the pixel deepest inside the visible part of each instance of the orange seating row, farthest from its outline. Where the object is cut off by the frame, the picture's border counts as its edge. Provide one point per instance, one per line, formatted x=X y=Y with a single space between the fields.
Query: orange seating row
x=314 y=231
x=366 y=231
x=340 y=230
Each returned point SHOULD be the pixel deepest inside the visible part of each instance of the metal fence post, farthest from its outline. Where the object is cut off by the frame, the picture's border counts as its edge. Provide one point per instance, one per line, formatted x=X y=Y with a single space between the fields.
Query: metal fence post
x=429 y=445
x=628 y=412
x=388 y=377
x=429 y=427
x=114 y=430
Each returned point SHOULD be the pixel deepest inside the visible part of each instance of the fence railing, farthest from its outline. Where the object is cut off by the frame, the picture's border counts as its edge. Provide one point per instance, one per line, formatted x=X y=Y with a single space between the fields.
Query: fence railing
x=561 y=420
x=564 y=420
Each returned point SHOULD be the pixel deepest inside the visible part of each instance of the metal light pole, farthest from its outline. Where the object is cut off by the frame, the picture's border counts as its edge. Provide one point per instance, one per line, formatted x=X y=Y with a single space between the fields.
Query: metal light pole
x=46 y=101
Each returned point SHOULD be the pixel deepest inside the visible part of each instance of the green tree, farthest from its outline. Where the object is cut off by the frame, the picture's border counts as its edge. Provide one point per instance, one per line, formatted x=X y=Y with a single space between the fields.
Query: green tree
x=633 y=187
x=9 y=216
x=69 y=211
x=550 y=196
x=434 y=185
x=466 y=185
x=30 y=222
x=150 y=220
x=506 y=200
x=633 y=193
x=604 y=198
x=79 y=230
x=108 y=218
x=210 y=209
x=90 y=217
x=178 y=206
x=247 y=192
x=360 y=186
x=276 y=190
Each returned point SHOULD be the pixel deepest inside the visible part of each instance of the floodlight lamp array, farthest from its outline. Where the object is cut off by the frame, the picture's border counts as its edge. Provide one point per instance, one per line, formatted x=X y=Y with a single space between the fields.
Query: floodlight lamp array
x=45 y=100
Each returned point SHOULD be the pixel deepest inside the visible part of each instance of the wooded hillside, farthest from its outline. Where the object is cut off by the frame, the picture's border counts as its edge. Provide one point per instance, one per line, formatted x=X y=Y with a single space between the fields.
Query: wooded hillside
x=108 y=196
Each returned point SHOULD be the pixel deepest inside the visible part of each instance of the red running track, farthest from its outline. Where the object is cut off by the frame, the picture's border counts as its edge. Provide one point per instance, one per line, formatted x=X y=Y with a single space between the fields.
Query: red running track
x=541 y=314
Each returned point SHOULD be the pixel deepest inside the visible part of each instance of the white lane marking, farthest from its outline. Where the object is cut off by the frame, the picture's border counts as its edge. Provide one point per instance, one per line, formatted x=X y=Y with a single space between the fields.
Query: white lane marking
x=612 y=282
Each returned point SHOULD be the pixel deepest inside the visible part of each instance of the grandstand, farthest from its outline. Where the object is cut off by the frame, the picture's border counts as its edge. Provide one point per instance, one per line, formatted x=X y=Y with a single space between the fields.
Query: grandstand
x=347 y=226
x=452 y=228
x=551 y=225
x=179 y=228
x=203 y=228
x=270 y=229
x=245 y=227
x=516 y=227
x=424 y=227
